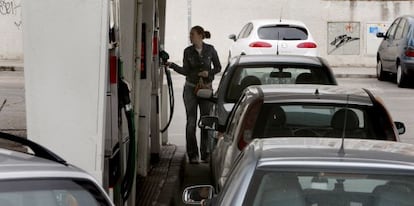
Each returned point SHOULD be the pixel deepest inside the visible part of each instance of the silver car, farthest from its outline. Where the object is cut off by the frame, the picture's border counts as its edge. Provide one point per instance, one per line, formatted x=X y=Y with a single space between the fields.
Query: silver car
x=317 y=171
x=44 y=179
x=395 y=54
x=299 y=111
x=247 y=70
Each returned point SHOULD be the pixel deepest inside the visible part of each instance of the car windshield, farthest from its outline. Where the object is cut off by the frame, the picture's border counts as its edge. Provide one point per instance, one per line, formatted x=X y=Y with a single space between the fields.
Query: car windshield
x=261 y=75
x=322 y=120
x=329 y=188
x=50 y=192
x=282 y=32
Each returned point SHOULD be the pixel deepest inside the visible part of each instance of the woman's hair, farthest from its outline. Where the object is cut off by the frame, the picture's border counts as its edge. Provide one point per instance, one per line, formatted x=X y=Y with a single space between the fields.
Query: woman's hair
x=200 y=30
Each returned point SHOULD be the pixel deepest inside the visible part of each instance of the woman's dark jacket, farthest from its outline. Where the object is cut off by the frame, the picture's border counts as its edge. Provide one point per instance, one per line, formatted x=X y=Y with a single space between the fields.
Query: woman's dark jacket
x=193 y=63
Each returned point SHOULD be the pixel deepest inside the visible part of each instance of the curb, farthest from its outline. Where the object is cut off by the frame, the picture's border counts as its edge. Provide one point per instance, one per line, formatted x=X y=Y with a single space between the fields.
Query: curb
x=170 y=193
x=157 y=187
x=355 y=75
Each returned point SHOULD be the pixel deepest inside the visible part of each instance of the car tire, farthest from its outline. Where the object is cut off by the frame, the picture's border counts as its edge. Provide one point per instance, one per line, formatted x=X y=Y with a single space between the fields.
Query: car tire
x=401 y=79
x=380 y=72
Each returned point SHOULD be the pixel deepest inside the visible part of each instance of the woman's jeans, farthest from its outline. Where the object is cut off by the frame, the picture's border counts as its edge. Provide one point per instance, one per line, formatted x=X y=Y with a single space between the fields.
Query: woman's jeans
x=191 y=102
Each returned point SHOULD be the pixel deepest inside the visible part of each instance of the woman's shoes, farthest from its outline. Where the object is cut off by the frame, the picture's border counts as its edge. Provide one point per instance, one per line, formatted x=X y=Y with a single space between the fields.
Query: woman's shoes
x=205 y=158
x=193 y=160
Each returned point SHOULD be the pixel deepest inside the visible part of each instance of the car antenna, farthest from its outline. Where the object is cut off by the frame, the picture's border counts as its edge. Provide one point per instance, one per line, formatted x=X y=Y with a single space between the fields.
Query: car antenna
x=280 y=20
x=341 y=151
x=317 y=93
x=281 y=12
x=277 y=44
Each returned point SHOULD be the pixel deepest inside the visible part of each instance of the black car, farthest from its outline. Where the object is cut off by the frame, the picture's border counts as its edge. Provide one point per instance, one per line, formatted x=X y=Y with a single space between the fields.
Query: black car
x=396 y=52
x=247 y=70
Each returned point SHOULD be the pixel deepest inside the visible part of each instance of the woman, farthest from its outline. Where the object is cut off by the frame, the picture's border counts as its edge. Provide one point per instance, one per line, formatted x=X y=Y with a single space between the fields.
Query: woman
x=200 y=64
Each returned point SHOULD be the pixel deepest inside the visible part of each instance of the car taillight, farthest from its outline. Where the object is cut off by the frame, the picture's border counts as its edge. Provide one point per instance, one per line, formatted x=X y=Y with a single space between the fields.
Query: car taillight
x=307 y=45
x=259 y=44
x=409 y=52
x=246 y=130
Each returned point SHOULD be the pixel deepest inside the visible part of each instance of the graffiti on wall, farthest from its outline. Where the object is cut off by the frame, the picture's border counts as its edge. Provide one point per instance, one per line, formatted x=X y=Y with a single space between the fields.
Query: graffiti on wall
x=343 y=38
x=11 y=8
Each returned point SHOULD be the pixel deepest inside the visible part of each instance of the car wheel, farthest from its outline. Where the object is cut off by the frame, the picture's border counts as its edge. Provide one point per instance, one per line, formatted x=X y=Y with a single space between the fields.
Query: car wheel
x=401 y=79
x=380 y=71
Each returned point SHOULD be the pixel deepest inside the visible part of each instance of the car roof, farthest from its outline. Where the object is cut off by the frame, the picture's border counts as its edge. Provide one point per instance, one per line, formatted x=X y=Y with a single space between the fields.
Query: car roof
x=407 y=16
x=19 y=165
x=357 y=152
x=312 y=93
x=262 y=22
x=280 y=59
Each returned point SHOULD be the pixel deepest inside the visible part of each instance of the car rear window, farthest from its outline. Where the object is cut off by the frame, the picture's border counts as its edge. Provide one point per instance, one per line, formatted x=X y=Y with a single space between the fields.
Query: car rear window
x=322 y=120
x=283 y=32
x=50 y=192
x=262 y=75
x=272 y=187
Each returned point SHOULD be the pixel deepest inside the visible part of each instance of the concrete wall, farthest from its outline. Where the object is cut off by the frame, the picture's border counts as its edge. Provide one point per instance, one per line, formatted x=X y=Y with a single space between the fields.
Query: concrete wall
x=325 y=19
x=11 y=48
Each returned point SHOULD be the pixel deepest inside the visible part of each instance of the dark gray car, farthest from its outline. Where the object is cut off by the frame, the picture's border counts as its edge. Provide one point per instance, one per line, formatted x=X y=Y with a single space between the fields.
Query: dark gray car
x=396 y=52
x=299 y=111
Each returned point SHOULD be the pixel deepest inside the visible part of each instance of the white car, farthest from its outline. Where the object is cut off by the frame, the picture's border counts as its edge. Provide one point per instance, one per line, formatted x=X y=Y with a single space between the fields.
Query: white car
x=274 y=36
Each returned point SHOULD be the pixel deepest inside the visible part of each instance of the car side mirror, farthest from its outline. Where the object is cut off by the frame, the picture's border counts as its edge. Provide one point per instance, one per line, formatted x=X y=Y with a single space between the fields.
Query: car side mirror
x=380 y=35
x=400 y=127
x=233 y=37
x=195 y=194
x=208 y=123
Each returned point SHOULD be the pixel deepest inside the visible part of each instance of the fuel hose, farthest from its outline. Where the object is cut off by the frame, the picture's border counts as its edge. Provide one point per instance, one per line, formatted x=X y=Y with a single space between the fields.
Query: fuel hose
x=171 y=97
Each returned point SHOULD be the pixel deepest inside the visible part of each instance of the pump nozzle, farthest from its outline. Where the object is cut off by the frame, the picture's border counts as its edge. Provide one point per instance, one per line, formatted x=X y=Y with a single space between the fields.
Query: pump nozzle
x=164 y=56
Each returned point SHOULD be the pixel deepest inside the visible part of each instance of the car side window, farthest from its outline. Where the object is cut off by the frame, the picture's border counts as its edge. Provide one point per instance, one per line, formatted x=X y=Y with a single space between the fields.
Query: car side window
x=234 y=119
x=248 y=30
x=399 y=33
x=406 y=29
x=391 y=31
x=242 y=31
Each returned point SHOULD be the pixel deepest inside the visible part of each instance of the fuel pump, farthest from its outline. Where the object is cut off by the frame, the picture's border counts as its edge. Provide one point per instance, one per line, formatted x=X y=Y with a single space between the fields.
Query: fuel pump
x=120 y=151
x=126 y=106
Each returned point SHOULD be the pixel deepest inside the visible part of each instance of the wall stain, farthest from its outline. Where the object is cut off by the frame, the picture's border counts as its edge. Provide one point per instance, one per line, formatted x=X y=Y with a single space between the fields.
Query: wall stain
x=352 y=7
x=384 y=11
x=397 y=7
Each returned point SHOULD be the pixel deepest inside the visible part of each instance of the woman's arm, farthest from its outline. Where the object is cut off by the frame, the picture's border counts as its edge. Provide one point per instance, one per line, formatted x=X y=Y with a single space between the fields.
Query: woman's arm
x=216 y=63
x=185 y=68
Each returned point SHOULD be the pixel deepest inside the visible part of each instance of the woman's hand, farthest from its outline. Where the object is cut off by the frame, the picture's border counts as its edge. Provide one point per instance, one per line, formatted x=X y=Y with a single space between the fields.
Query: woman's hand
x=203 y=74
x=168 y=64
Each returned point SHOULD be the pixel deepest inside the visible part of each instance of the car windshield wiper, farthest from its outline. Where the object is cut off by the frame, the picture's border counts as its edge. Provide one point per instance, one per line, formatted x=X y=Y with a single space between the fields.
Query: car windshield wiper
x=287 y=38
